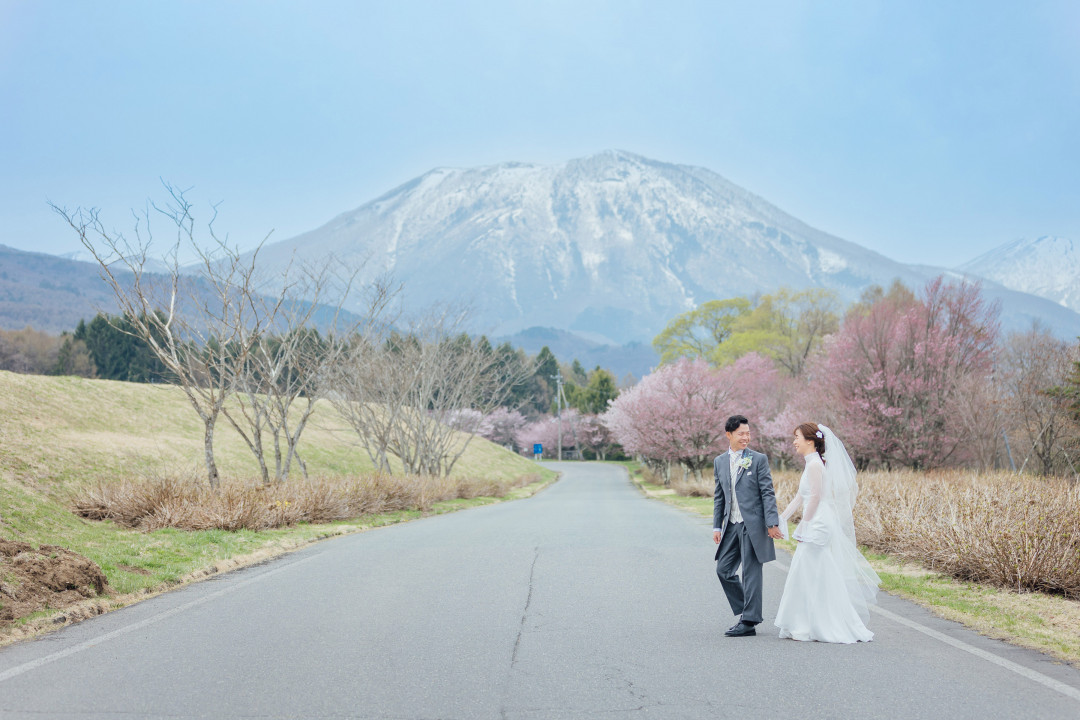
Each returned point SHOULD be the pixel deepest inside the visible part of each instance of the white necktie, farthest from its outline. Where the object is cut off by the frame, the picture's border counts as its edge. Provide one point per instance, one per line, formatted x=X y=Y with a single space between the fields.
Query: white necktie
x=736 y=514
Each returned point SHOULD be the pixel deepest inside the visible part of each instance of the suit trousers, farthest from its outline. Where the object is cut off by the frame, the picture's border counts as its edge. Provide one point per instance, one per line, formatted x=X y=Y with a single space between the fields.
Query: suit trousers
x=743 y=595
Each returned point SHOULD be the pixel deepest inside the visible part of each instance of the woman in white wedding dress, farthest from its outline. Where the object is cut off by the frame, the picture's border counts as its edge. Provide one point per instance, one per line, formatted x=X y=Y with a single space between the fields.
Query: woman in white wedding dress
x=829 y=584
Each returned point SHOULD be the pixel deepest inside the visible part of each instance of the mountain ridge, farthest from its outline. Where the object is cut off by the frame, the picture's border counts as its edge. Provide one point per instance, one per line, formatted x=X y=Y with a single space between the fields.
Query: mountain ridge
x=1047 y=266
x=610 y=246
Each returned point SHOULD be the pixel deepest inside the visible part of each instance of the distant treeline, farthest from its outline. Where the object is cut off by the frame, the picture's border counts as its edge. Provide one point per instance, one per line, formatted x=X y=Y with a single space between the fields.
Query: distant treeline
x=103 y=348
x=106 y=347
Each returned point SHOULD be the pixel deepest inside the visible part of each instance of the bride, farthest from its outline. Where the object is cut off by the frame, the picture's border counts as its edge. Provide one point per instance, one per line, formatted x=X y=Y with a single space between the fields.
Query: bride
x=829 y=584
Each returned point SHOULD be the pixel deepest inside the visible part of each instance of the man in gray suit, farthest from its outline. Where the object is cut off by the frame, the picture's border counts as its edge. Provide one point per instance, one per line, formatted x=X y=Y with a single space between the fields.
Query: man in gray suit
x=743 y=528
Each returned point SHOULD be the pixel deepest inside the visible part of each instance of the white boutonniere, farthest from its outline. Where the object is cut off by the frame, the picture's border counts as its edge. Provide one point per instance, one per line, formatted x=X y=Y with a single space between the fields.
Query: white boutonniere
x=744 y=463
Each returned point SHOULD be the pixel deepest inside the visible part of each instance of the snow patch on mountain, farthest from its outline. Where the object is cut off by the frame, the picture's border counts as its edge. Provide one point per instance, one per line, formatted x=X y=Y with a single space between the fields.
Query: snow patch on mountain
x=1047 y=266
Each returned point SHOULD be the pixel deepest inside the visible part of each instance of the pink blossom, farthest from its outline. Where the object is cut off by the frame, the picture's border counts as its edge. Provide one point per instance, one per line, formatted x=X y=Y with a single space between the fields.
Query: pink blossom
x=502 y=426
x=677 y=413
x=890 y=379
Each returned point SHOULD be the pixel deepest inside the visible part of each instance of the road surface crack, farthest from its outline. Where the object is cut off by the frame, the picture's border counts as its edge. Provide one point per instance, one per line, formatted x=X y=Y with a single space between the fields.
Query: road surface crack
x=525 y=611
x=521 y=631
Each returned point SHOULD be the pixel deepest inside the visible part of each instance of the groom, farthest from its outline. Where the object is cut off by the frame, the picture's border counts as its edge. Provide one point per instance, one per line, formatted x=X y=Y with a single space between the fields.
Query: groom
x=745 y=523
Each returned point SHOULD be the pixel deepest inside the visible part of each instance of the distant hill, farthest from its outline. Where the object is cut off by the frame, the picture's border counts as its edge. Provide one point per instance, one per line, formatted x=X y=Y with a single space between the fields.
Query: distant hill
x=635 y=359
x=52 y=293
x=49 y=293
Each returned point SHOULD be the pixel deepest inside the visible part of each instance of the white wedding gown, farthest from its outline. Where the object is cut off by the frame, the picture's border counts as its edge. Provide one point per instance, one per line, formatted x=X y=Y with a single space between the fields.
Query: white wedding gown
x=822 y=599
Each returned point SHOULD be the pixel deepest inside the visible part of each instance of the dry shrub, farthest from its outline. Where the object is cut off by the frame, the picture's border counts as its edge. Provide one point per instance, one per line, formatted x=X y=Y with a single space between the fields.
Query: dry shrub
x=1013 y=531
x=785 y=482
x=692 y=487
x=652 y=475
x=189 y=504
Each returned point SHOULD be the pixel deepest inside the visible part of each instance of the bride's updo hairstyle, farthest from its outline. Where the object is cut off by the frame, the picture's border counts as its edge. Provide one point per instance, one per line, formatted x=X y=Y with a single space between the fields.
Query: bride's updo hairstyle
x=811 y=432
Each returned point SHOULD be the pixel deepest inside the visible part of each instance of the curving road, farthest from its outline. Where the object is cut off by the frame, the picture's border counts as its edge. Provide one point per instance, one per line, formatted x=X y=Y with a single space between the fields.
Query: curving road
x=587 y=600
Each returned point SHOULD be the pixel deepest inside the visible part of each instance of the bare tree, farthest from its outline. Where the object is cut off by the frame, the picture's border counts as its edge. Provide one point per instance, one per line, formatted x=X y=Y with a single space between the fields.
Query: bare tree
x=287 y=372
x=1035 y=364
x=450 y=373
x=202 y=325
x=366 y=392
x=402 y=395
x=980 y=413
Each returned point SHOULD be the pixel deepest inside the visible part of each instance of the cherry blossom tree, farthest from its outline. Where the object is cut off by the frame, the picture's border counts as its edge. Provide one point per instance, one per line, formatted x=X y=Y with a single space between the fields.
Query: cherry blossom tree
x=890 y=380
x=594 y=435
x=545 y=431
x=469 y=421
x=677 y=413
x=502 y=426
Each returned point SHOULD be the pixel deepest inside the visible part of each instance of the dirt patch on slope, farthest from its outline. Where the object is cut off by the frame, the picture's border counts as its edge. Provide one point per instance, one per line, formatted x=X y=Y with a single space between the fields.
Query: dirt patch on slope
x=49 y=577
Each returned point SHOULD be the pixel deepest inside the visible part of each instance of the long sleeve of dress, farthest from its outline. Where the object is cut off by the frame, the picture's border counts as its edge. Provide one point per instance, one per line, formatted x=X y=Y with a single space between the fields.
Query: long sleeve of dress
x=791 y=508
x=814 y=475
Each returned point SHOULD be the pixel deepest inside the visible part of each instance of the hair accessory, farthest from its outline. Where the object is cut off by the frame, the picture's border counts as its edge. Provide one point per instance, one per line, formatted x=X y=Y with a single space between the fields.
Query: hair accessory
x=820 y=434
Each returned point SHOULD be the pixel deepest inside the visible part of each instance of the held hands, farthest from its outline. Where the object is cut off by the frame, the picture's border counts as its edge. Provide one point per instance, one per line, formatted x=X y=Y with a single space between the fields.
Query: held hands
x=774 y=533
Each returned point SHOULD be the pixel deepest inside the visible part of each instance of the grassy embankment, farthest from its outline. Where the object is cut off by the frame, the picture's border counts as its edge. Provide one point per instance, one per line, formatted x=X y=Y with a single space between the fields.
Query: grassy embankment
x=1044 y=622
x=58 y=435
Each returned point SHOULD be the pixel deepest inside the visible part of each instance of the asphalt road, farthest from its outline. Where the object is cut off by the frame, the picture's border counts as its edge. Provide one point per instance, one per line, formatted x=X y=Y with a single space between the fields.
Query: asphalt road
x=587 y=600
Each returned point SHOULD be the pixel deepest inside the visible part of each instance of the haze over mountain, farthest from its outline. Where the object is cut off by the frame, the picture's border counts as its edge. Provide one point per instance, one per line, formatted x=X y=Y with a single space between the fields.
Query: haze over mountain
x=1047 y=266
x=49 y=293
x=610 y=246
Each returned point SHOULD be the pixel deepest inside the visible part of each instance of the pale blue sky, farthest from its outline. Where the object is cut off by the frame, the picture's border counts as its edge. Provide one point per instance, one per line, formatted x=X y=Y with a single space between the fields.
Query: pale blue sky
x=929 y=131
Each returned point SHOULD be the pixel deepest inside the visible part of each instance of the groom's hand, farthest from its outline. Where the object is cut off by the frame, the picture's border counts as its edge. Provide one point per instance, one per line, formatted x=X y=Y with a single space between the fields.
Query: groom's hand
x=774 y=533
x=716 y=537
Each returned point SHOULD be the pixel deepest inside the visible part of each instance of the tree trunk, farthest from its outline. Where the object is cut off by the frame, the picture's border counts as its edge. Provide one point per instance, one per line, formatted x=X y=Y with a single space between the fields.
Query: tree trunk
x=280 y=473
x=293 y=439
x=263 y=470
x=208 y=448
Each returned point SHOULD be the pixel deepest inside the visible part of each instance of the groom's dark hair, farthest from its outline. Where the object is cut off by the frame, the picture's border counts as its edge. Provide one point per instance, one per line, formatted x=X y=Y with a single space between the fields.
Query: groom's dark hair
x=735 y=422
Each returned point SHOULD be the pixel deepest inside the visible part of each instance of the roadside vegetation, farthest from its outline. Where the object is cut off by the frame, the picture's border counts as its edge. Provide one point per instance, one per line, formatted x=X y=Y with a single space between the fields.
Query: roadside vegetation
x=107 y=446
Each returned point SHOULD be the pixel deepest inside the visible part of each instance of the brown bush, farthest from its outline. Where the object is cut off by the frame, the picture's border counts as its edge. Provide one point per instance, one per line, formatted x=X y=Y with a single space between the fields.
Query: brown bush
x=784 y=481
x=189 y=504
x=1015 y=531
x=692 y=487
x=652 y=475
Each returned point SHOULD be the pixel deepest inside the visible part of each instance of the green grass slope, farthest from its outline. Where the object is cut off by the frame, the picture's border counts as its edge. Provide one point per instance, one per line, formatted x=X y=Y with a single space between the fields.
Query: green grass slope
x=59 y=433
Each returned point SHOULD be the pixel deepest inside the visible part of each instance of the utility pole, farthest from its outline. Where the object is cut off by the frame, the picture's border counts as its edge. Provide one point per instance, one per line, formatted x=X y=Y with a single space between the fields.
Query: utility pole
x=558 y=407
x=573 y=428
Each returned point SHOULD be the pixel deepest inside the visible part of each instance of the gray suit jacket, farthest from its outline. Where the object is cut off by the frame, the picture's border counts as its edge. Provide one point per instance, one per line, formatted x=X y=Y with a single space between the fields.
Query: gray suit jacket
x=756 y=498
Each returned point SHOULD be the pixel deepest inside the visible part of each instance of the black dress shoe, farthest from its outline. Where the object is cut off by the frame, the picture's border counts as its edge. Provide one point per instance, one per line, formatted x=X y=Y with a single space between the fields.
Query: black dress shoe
x=741 y=630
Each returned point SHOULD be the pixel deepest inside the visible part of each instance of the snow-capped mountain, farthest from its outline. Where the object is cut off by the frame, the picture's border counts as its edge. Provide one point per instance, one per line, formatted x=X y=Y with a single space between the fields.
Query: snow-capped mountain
x=610 y=246
x=1048 y=267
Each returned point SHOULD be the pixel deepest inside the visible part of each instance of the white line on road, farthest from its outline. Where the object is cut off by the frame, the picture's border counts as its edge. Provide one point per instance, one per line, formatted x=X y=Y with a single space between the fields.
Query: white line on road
x=34 y=664
x=1045 y=680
